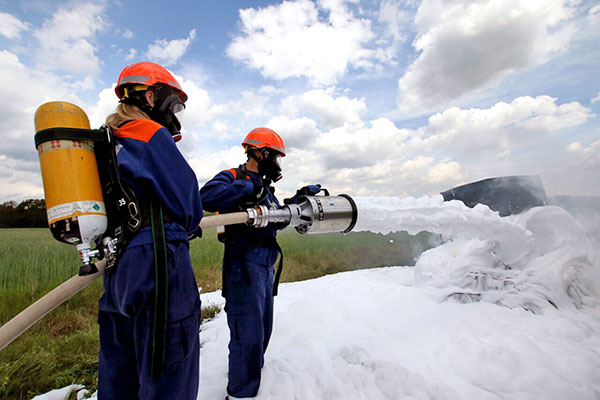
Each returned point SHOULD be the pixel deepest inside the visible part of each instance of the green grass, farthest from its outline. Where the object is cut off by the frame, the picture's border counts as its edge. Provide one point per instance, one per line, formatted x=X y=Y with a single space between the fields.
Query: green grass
x=31 y=257
x=62 y=348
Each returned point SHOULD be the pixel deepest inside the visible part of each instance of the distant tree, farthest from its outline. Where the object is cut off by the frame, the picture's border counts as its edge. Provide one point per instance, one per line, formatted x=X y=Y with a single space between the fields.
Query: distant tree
x=8 y=214
x=30 y=213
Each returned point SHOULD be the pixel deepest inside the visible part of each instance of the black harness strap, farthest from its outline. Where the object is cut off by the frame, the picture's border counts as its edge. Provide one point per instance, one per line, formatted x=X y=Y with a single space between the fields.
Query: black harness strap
x=161 y=294
x=46 y=135
x=240 y=173
x=279 y=269
x=122 y=206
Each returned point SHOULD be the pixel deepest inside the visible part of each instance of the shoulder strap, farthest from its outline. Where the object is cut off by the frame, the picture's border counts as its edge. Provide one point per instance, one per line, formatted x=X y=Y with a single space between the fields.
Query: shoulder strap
x=233 y=172
x=122 y=206
x=239 y=173
x=242 y=174
x=161 y=290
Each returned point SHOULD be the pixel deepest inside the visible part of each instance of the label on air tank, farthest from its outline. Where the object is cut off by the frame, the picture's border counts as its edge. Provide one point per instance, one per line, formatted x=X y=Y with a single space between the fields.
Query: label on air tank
x=65 y=144
x=75 y=208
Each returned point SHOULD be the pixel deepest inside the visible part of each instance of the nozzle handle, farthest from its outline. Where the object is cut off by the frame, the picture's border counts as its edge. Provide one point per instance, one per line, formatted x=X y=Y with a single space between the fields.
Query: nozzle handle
x=88 y=269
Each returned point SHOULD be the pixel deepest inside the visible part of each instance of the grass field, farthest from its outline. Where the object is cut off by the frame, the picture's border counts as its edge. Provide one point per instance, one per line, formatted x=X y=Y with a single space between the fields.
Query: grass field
x=63 y=347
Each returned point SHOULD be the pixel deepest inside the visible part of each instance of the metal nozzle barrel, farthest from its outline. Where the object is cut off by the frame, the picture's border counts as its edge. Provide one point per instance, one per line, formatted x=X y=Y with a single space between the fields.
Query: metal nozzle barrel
x=313 y=214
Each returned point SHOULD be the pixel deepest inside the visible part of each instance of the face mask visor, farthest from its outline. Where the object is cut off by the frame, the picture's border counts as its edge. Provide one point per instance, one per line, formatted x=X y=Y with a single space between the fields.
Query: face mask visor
x=170 y=110
x=278 y=161
x=177 y=108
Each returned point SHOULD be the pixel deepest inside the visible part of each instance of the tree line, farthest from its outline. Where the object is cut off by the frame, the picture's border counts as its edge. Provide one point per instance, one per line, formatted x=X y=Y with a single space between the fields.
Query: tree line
x=30 y=213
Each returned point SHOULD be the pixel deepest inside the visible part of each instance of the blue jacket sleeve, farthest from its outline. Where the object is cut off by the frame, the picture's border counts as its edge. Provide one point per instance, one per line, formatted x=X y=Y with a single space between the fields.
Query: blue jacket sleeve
x=157 y=167
x=224 y=194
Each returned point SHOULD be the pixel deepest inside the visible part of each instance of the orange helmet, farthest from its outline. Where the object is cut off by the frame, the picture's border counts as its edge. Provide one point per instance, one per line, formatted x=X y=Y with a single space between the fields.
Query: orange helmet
x=265 y=137
x=146 y=74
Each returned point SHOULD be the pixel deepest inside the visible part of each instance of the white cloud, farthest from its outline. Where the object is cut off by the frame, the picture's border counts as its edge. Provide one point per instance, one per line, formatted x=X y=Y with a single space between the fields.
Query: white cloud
x=448 y=172
x=331 y=111
x=66 y=40
x=211 y=163
x=20 y=179
x=10 y=26
x=299 y=133
x=195 y=117
x=417 y=164
x=131 y=55
x=195 y=114
x=454 y=146
x=363 y=146
x=500 y=127
x=589 y=155
x=167 y=52
x=270 y=90
x=24 y=90
x=248 y=104
x=297 y=38
x=220 y=127
x=105 y=105
x=594 y=14
x=127 y=34
x=395 y=18
x=596 y=98
x=546 y=115
x=466 y=46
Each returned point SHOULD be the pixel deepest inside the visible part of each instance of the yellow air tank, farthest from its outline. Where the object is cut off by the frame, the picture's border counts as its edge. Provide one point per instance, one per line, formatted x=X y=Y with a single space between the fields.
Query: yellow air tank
x=74 y=202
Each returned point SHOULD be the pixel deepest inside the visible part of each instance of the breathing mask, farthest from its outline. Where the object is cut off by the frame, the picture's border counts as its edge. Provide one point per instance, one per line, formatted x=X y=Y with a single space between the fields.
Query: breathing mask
x=270 y=165
x=167 y=107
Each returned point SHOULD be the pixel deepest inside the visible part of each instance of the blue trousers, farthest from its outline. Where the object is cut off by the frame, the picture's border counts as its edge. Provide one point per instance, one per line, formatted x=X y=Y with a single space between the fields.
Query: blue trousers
x=249 y=308
x=126 y=317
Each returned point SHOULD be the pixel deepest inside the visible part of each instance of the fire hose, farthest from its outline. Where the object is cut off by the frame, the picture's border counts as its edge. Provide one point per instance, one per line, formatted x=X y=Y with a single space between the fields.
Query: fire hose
x=314 y=214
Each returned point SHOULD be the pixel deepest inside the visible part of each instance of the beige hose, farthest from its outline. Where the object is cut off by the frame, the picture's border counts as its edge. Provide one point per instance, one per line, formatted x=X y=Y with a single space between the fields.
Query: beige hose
x=32 y=314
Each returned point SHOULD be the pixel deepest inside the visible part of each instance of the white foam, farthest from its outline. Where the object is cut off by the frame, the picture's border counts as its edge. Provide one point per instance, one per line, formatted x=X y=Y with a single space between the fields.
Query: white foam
x=536 y=260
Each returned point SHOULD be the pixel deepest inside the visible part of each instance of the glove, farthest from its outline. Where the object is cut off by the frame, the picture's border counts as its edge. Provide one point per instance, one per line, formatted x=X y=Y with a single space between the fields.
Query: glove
x=196 y=234
x=309 y=190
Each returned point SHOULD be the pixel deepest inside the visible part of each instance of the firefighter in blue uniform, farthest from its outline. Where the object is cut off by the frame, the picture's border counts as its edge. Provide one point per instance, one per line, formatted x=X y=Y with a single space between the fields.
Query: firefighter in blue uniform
x=250 y=254
x=140 y=357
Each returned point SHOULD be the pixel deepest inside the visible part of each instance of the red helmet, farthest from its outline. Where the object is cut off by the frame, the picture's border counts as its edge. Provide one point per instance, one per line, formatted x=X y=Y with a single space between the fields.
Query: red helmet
x=147 y=73
x=265 y=137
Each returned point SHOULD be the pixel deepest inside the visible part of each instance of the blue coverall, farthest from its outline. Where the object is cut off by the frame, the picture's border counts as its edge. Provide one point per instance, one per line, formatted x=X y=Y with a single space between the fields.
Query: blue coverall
x=150 y=163
x=247 y=280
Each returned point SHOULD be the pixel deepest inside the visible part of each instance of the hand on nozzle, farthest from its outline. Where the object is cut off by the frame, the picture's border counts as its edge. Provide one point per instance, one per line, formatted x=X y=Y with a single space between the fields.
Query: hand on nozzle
x=309 y=190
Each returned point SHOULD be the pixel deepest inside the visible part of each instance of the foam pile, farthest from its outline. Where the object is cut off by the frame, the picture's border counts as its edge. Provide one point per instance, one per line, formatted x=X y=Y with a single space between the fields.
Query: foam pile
x=535 y=260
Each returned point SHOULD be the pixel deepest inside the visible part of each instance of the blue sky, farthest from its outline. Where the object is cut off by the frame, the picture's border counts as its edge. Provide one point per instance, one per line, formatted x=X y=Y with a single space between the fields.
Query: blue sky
x=395 y=98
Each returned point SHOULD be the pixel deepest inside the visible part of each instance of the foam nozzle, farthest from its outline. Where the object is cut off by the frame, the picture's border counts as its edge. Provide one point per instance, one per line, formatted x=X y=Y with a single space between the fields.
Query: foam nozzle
x=322 y=214
x=311 y=214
